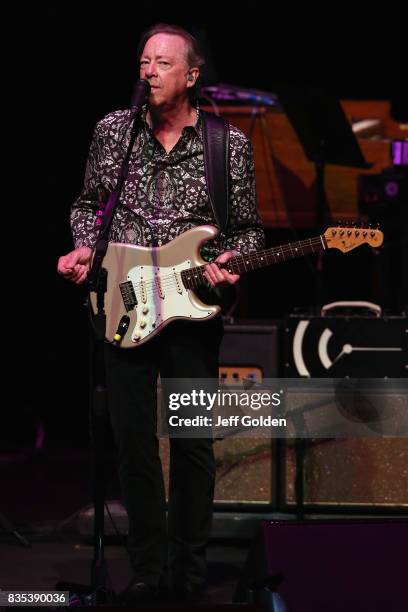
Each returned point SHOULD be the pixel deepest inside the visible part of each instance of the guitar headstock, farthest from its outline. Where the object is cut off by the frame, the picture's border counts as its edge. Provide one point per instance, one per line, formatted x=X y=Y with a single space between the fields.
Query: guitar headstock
x=348 y=237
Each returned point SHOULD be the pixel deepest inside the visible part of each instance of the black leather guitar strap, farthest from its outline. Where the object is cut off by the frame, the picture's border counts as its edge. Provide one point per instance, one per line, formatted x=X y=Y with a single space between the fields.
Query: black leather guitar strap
x=216 y=163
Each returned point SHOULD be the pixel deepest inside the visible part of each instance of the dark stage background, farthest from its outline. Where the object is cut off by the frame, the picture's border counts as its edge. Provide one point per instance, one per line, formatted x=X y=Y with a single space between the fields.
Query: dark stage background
x=71 y=65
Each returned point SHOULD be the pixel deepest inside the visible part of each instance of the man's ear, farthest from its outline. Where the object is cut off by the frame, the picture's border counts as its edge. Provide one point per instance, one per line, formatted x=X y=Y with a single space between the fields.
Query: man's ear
x=192 y=76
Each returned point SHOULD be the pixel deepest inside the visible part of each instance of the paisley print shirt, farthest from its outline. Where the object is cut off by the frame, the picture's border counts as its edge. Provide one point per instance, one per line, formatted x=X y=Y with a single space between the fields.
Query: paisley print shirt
x=165 y=194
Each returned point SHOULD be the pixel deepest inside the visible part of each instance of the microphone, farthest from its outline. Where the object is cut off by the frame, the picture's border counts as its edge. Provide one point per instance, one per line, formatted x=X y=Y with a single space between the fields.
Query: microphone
x=141 y=91
x=122 y=329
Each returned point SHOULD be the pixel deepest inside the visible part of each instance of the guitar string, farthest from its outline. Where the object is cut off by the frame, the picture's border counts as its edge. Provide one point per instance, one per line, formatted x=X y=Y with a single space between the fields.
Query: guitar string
x=169 y=282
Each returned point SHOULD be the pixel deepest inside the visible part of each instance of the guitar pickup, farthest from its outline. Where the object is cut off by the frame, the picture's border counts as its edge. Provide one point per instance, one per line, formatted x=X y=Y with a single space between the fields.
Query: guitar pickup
x=159 y=287
x=128 y=295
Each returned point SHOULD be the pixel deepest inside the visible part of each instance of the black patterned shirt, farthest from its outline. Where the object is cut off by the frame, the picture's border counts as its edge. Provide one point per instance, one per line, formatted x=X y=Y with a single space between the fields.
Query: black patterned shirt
x=165 y=194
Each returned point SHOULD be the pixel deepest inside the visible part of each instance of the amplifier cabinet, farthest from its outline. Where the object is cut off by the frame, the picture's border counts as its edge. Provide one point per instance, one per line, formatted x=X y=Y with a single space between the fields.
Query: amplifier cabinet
x=366 y=472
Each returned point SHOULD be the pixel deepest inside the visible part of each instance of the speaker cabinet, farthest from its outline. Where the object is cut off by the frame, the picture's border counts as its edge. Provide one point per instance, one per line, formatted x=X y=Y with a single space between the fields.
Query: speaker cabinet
x=354 y=472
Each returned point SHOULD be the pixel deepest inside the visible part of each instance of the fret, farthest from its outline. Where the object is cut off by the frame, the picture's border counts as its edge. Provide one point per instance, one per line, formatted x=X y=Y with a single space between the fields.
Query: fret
x=291 y=251
x=297 y=248
x=200 y=275
x=236 y=265
x=239 y=264
x=261 y=258
x=231 y=266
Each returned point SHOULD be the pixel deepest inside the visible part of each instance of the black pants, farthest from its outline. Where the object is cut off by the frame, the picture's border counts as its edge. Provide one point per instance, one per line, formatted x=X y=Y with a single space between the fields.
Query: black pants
x=183 y=350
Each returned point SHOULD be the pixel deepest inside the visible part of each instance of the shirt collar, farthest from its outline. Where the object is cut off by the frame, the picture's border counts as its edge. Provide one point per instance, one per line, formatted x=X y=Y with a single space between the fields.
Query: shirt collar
x=197 y=127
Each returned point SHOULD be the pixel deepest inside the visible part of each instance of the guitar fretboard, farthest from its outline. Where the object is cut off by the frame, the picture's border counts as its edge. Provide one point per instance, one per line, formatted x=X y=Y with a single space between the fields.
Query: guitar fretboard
x=194 y=277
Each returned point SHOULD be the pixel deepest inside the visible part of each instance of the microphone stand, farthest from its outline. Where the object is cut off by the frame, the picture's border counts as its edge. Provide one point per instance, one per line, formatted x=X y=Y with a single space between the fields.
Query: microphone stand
x=97 y=282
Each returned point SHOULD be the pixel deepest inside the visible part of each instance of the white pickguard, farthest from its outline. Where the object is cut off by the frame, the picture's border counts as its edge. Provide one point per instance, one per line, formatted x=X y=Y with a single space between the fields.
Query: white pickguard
x=161 y=296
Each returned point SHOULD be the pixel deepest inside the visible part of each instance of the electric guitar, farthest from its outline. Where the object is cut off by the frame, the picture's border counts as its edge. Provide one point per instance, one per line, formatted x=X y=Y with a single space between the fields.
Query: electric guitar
x=147 y=288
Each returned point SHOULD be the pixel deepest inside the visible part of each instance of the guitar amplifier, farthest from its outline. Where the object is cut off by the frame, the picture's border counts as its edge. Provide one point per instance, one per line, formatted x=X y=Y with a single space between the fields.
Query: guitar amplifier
x=348 y=340
x=250 y=345
x=351 y=344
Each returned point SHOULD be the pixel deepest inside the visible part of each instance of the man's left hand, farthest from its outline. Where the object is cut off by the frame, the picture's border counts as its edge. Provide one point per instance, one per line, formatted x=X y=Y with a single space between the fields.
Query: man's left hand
x=217 y=276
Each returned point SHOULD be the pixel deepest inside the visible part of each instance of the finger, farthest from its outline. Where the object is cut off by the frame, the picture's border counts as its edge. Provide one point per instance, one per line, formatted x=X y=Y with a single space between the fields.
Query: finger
x=82 y=277
x=67 y=272
x=210 y=278
x=224 y=257
x=213 y=273
x=226 y=278
x=219 y=273
x=78 y=271
x=63 y=266
x=67 y=267
x=231 y=278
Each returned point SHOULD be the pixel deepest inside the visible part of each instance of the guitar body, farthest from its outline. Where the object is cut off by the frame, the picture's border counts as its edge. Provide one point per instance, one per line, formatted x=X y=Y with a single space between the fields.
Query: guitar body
x=154 y=275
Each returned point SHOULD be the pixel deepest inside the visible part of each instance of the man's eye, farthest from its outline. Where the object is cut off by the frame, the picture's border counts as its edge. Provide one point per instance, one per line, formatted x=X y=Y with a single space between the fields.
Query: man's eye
x=164 y=63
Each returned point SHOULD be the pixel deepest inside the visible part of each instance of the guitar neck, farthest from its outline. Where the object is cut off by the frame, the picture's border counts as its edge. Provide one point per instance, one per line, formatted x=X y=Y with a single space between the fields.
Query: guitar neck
x=240 y=264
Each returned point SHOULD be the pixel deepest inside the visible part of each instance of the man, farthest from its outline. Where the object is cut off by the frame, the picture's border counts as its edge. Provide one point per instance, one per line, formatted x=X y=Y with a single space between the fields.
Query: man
x=165 y=194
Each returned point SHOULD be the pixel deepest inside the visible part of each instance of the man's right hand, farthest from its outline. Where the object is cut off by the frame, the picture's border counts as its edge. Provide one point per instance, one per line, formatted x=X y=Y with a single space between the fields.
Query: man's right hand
x=75 y=265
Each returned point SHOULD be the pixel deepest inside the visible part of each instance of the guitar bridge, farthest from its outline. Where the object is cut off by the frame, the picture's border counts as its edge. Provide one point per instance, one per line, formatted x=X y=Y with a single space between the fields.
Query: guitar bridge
x=128 y=295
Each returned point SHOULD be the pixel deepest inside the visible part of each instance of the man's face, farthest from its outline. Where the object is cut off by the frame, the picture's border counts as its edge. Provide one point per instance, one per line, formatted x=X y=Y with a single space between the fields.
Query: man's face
x=164 y=64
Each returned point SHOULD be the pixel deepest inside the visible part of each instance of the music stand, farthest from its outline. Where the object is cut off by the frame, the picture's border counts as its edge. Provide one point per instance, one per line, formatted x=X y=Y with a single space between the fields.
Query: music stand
x=324 y=133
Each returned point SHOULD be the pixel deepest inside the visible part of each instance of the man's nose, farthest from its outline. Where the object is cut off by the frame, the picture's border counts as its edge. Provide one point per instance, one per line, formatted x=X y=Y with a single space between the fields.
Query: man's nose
x=150 y=70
